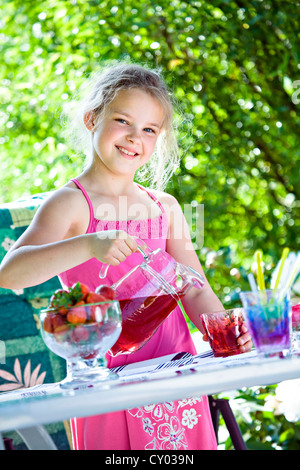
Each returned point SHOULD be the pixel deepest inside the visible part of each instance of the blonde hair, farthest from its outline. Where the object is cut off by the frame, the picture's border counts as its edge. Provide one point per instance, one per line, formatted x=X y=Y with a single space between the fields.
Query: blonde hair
x=100 y=90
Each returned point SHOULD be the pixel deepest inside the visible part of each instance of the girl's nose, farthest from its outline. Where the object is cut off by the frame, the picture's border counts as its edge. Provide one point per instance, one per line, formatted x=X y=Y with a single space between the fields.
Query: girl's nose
x=134 y=135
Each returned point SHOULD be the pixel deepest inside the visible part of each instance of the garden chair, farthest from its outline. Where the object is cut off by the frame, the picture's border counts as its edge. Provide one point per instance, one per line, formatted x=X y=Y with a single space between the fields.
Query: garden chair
x=26 y=360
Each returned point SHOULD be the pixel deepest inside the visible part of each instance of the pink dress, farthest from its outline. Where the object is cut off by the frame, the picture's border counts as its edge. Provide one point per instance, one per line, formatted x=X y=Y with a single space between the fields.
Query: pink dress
x=184 y=424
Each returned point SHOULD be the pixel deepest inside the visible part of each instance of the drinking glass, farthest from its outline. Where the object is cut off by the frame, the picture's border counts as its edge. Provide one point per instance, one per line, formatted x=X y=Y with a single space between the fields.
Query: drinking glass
x=223 y=329
x=296 y=327
x=268 y=317
x=84 y=341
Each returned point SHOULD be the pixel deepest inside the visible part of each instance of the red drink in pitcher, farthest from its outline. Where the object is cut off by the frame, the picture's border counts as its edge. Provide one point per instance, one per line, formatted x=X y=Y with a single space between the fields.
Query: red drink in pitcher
x=148 y=294
x=141 y=317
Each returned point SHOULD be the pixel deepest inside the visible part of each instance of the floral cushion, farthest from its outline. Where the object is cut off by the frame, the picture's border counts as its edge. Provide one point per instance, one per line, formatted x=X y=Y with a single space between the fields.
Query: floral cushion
x=24 y=358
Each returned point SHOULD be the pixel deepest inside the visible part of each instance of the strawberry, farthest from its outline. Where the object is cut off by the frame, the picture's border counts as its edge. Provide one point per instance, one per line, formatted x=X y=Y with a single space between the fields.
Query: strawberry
x=96 y=311
x=78 y=292
x=91 y=356
x=93 y=298
x=61 y=301
x=47 y=325
x=55 y=296
x=77 y=313
x=85 y=290
x=59 y=323
x=80 y=333
x=107 y=291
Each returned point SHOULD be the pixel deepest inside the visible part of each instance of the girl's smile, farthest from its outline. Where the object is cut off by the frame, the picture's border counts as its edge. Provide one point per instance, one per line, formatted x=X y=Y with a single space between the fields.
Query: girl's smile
x=130 y=154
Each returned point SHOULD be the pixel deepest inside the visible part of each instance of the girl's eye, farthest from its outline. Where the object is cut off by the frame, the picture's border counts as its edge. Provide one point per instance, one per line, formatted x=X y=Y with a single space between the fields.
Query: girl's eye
x=148 y=130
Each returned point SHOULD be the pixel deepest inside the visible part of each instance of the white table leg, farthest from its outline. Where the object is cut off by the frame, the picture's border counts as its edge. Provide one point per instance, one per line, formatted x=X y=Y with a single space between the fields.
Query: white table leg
x=37 y=438
x=2 y=447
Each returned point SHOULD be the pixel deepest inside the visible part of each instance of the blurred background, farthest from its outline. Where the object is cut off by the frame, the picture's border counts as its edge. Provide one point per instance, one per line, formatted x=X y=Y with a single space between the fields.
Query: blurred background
x=234 y=69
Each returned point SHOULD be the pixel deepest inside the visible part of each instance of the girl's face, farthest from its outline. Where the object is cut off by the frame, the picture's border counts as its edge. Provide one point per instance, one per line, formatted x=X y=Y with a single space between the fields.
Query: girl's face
x=125 y=138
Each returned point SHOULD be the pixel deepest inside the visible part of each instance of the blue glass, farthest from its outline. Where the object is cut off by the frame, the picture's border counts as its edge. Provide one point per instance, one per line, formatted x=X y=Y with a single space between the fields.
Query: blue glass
x=268 y=317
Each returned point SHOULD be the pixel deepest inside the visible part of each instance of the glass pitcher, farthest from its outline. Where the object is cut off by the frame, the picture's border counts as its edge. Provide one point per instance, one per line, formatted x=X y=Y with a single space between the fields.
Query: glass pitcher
x=148 y=294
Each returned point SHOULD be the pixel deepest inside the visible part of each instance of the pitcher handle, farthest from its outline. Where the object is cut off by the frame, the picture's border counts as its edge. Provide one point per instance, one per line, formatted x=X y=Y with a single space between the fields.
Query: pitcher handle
x=103 y=271
x=144 y=249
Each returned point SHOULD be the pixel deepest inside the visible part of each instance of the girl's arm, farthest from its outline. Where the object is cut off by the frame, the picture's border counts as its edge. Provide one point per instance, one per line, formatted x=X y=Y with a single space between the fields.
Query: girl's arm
x=56 y=241
x=179 y=245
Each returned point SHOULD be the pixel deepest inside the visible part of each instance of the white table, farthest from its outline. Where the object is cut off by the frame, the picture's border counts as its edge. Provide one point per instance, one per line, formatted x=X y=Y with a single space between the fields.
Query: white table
x=30 y=408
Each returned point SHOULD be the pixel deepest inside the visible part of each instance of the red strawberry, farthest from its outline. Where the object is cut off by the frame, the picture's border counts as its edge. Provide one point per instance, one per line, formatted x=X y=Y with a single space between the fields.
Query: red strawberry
x=56 y=295
x=96 y=311
x=61 y=301
x=85 y=290
x=107 y=291
x=80 y=333
x=78 y=292
x=47 y=324
x=58 y=321
x=91 y=356
x=77 y=314
x=60 y=326
x=93 y=298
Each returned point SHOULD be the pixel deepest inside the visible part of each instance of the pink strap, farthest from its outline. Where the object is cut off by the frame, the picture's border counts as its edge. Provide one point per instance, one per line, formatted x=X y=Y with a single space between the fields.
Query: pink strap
x=88 y=201
x=152 y=197
x=91 y=206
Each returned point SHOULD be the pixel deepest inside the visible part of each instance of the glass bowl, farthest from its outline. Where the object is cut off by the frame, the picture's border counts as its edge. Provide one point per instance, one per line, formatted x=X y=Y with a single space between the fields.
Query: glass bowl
x=82 y=335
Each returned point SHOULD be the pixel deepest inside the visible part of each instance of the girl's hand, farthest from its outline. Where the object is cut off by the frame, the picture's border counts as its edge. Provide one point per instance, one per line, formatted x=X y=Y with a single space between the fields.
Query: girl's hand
x=245 y=341
x=112 y=246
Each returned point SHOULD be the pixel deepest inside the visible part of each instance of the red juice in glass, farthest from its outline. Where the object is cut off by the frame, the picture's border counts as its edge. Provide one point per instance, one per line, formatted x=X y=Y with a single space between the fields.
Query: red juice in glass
x=223 y=329
x=296 y=316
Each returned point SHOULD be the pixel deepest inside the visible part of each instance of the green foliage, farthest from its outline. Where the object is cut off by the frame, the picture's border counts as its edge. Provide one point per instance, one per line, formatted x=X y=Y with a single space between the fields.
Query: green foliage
x=262 y=429
x=233 y=67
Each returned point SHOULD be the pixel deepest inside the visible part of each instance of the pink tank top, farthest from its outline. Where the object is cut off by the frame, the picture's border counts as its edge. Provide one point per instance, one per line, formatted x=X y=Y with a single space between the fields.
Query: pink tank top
x=145 y=229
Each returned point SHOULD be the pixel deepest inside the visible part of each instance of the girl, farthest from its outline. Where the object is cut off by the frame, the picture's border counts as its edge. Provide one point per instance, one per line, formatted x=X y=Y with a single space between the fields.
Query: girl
x=92 y=220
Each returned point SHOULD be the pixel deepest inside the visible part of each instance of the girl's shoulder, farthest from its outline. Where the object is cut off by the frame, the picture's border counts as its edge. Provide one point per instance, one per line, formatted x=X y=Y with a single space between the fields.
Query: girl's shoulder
x=66 y=200
x=164 y=198
x=170 y=206
x=67 y=195
x=65 y=207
